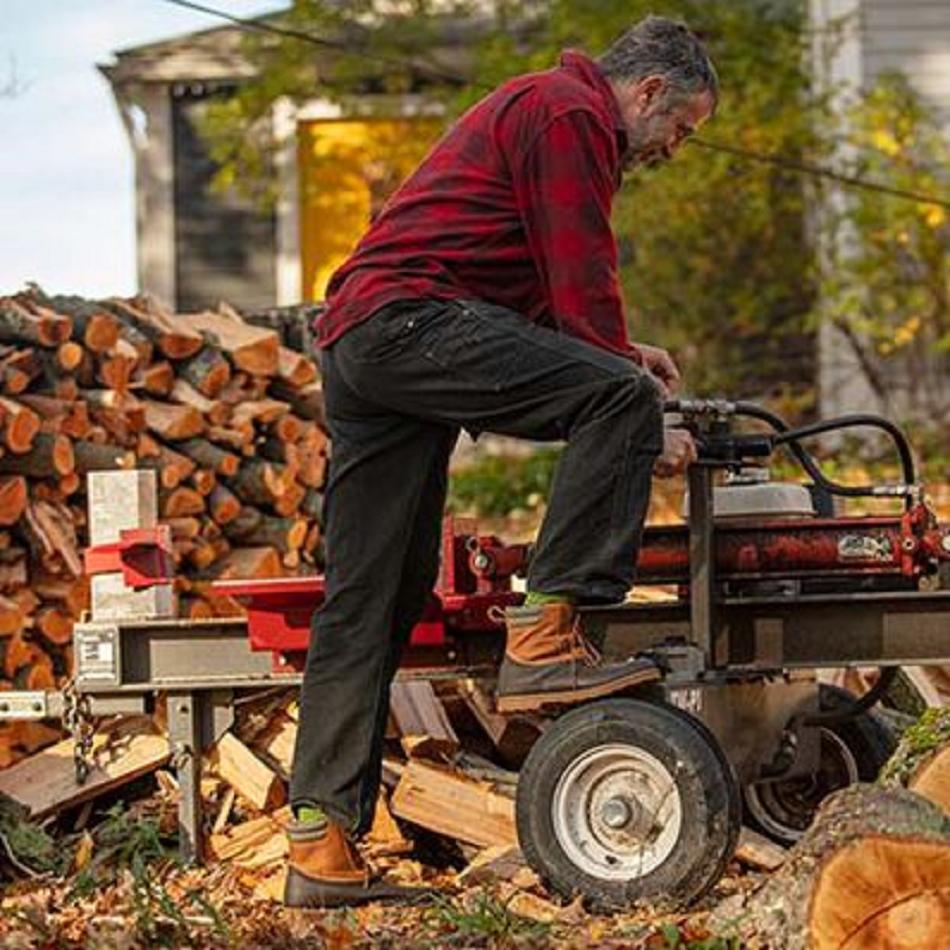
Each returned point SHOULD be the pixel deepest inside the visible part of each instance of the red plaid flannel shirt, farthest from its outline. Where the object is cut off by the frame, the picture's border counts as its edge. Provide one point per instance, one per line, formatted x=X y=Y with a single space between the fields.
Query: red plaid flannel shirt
x=511 y=206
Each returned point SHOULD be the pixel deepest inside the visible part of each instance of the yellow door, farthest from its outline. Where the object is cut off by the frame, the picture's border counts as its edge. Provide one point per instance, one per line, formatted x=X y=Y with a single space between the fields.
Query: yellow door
x=348 y=168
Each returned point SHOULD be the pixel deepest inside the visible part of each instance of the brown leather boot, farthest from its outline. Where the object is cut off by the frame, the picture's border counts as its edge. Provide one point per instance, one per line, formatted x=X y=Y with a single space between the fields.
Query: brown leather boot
x=326 y=870
x=549 y=661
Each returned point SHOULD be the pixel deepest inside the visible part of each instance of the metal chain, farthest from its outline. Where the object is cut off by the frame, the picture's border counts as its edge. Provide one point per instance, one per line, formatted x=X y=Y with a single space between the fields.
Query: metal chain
x=77 y=718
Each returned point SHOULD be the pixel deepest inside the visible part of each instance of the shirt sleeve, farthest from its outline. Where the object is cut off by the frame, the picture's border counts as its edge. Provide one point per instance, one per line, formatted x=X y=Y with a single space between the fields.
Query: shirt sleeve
x=565 y=183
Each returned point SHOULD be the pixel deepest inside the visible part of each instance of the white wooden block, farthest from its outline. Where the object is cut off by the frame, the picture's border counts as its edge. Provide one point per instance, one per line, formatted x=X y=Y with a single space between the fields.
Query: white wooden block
x=120 y=500
x=112 y=600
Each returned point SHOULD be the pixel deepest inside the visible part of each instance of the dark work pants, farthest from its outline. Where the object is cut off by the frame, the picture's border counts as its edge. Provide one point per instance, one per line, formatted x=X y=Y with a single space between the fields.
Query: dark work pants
x=398 y=387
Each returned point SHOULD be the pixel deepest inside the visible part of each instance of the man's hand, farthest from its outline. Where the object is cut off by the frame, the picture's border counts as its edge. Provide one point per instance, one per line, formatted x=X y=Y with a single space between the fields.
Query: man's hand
x=661 y=365
x=679 y=450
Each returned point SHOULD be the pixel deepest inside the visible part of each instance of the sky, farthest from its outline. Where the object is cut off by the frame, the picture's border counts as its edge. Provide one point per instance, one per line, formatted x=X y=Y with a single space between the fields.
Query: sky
x=67 y=218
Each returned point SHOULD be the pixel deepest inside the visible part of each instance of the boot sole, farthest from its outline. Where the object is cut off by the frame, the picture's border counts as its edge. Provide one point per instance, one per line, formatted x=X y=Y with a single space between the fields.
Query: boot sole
x=525 y=702
x=305 y=892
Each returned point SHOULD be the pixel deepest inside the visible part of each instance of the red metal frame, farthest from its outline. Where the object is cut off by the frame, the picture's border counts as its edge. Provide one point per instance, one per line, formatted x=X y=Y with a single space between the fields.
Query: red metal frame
x=142 y=555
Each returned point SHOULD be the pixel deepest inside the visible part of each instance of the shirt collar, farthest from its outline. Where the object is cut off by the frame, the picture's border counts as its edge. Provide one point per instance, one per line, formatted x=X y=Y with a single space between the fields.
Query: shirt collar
x=590 y=74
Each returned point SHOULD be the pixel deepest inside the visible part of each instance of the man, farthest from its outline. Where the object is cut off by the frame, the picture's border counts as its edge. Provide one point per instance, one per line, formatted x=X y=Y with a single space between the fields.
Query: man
x=485 y=297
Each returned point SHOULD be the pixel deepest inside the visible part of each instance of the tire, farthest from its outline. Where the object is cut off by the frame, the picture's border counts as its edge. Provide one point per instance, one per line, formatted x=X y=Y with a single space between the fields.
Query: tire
x=607 y=774
x=851 y=751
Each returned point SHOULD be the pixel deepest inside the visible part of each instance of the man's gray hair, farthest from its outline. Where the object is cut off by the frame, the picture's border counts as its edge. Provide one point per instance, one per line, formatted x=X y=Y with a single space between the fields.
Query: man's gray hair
x=657 y=46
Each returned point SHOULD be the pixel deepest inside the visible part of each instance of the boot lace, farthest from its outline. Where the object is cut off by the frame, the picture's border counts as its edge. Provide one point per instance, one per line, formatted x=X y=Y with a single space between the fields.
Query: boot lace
x=581 y=647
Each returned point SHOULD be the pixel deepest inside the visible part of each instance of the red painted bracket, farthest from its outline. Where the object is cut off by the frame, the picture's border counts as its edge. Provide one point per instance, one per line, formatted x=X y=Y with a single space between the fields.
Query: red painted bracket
x=142 y=555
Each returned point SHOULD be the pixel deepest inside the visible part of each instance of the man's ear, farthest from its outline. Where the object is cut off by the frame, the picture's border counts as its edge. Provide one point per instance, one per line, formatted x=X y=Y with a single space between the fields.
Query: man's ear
x=650 y=90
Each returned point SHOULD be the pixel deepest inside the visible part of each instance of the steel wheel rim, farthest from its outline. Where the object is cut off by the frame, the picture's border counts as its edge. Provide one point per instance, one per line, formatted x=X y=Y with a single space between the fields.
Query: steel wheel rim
x=617 y=813
x=767 y=805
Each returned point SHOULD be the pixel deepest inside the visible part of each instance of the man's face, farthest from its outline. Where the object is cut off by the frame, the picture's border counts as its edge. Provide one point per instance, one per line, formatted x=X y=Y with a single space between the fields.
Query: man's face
x=658 y=121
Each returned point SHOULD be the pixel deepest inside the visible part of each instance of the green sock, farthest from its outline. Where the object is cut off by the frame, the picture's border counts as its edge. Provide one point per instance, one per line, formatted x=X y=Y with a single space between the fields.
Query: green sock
x=310 y=814
x=535 y=599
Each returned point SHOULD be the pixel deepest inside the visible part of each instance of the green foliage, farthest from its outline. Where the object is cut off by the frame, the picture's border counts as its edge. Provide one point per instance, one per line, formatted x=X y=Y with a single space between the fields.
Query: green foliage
x=497 y=485
x=132 y=849
x=887 y=282
x=29 y=844
x=483 y=916
x=917 y=742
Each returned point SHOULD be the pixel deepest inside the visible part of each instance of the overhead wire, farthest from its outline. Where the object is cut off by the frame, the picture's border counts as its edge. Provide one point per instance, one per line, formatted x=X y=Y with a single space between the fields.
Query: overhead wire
x=779 y=161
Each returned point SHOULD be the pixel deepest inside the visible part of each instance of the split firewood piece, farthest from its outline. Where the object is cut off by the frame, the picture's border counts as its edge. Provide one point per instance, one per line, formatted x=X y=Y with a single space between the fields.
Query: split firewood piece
x=284 y=534
x=385 y=838
x=239 y=439
x=208 y=371
x=211 y=456
x=39 y=325
x=874 y=858
x=203 y=481
x=46 y=782
x=13 y=499
x=496 y=864
x=174 y=338
x=157 y=379
x=424 y=727
x=13 y=566
x=173 y=467
x=72 y=593
x=55 y=624
x=244 y=523
x=294 y=368
x=171 y=421
x=287 y=503
x=259 y=411
x=252 y=349
x=932 y=778
x=20 y=425
x=18 y=368
x=11 y=622
x=234 y=762
x=259 y=483
x=69 y=417
x=115 y=371
x=96 y=327
x=253 y=844
x=306 y=402
x=249 y=562
x=38 y=675
x=185 y=527
x=52 y=529
x=223 y=505
x=445 y=801
x=512 y=736
x=180 y=502
x=276 y=743
x=33 y=736
x=214 y=411
x=759 y=852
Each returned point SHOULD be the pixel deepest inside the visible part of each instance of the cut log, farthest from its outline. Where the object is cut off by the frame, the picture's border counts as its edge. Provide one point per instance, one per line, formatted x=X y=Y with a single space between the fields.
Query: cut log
x=46 y=783
x=173 y=422
x=257 y=482
x=72 y=593
x=223 y=506
x=214 y=411
x=258 y=411
x=56 y=625
x=180 y=502
x=931 y=779
x=284 y=534
x=244 y=523
x=295 y=369
x=306 y=402
x=50 y=454
x=424 y=728
x=97 y=328
x=115 y=372
x=92 y=457
x=759 y=852
x=59 y=415
x=246 y=773
x=41 y=326
x=445 y=801
x=203 y=481
x=252 y=349
x=172 y=466
x=289 y=501
x=11 y=622
x=870 y=851
x=13 y=568
x=69 y=355
x=20 y=425
x=173 y=337
x=18 y=368
x=158 y=379
x=211 y=456
x=208 y=371
x=51 y=529
x=250 y=563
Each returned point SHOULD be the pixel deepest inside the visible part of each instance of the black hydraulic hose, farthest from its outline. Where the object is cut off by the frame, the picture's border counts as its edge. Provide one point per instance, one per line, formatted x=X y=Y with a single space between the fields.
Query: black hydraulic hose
x=852 y=421
x=790 y=438
x=861 y=705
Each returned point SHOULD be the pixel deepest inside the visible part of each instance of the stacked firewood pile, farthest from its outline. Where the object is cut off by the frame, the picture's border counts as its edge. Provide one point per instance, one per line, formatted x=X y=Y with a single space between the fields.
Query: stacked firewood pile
x=226 y=410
